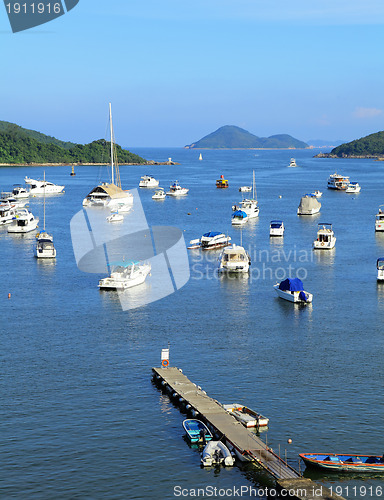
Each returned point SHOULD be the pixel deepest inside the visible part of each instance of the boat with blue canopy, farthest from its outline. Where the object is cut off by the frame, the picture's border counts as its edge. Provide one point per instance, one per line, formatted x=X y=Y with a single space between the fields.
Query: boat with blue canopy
x=335 y=462
x=210 y=240
x=239 y=217
x=197 y=431
x=276 y=228
x=292 y=289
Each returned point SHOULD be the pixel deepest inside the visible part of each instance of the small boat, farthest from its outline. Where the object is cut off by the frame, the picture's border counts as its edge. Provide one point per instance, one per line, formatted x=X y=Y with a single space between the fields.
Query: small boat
x=200 y=156
x=379 y=221
x=249 y=418
x=125 y=276
x=210 y=241
x=326 y=239
x=245 y=189
x=19 y=192
x=276 y=228
x=176 y=190
x=115 y=217
x=7 y=212
x=216 y=453
x=122 y=208
x=337 y=462
x=239 y=217
x=309 y=205
x=293 y=291
x=339 y=182
x=159 y=194
x=353 y=187
x=317 y=194
x=380 y=269
x=24 y=222
x=221 y=183
x=148 y=181
x=73 y=171
x=40 y=187
x=197 y=431
x=234 y=259
x=45 y=249
x=292 y=163
x=249 y=205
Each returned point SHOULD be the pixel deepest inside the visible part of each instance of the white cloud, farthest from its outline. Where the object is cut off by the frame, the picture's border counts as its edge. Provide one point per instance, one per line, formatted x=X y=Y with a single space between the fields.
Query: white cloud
x=367 y=112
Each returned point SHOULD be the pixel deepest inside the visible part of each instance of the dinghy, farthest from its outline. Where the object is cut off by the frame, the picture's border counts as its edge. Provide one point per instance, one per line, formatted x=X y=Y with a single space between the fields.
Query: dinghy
x=197 y=432
x=335 y=462
x=216 y=453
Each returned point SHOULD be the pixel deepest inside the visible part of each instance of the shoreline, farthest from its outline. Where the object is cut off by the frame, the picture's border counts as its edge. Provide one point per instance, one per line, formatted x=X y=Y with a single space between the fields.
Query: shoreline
x=350 y=157
x=147 y=164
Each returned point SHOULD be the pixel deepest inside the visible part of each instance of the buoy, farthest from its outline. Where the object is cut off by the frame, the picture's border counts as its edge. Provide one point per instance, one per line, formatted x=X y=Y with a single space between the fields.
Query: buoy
x=280 y=196
x=289 y=441
x=9 y=295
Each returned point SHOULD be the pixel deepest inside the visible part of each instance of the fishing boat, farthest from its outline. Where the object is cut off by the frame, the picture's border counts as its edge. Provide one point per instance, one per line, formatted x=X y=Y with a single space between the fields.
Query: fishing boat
x=7 y=212
x=111 y=194
x=176 y=190
x=19 y=192
x=380 y=269
x=353 y=187
x=148 y=181
x=339 y=182
x=125 y=275
x=234 y=259
x=197 y=431
x=239 y=217
x=45 y=249
x=115 y=217
x=292 y=289
x=337 y=462
x=379 y=220
x=245 y=189
x=249 y=205
x=317 y=194
x=159 y=194
x=292 y=163
x=210 y=240
x=38 y=187
x=24 y=222
x=309 y=205
x=216 y=453
x=326 y=239
x=249 y=418
x=221 y=183
x=276 y=228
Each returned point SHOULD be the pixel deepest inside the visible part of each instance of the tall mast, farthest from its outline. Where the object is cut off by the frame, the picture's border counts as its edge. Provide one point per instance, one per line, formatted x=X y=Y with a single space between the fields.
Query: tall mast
x=254 y=186
x=111 y=128
x=44 y=205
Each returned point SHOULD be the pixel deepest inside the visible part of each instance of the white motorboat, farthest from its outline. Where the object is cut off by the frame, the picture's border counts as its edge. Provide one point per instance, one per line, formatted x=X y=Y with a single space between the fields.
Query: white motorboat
x=326 y=239
x=159 y=194
x=210 y=240
x=379 y=220
x=317 y=194
x=24 y=222
x=115 y=217
x=19 y=192
x=147 y=181
x=336 y=181
x=292 y=163
x=245 y=189
x=126 y=276
x=276 y=228
x=234 y=259
x=309 y=205
x=380 y=269
x=38 y=187
x=239 y=217
x=353 y=187
x=293 y=291
x=7 y=213
x=249 y=418
x=176 y=190
x=109 y=195
x=249 y=205
x=216 y=453
x=123 y=209
x=45 y=249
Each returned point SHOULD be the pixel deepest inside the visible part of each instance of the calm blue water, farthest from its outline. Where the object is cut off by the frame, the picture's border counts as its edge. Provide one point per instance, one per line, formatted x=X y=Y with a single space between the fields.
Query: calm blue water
x=80 y=418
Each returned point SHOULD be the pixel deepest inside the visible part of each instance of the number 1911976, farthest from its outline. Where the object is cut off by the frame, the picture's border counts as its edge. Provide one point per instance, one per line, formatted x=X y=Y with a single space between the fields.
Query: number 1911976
x=34 y=8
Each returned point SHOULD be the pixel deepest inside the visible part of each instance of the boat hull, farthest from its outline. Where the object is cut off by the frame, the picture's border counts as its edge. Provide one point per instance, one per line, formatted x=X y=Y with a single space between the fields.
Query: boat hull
x=344 y=463
x=292 y=296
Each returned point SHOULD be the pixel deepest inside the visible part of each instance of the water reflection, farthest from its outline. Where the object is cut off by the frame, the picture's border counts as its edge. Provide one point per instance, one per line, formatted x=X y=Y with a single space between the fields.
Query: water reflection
x=379 y=237
x=325 y=257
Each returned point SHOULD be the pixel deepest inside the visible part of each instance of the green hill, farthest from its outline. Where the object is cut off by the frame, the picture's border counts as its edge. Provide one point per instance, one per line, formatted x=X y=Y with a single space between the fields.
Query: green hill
x=232 y=137
x=23 y=146
x=370 y=146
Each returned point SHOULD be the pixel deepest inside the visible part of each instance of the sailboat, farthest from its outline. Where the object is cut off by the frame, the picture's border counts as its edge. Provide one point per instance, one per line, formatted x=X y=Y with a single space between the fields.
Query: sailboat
x=200 y=157
x=45 y=248
x=249 y=206
x=109 y=195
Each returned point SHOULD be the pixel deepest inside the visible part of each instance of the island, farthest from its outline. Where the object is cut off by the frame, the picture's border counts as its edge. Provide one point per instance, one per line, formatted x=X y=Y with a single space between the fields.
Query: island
x=370 y=146
x=232 y=137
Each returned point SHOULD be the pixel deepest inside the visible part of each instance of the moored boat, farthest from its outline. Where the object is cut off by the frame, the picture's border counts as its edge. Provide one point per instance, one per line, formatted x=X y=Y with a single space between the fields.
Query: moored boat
x=42 y=187
x=337 y=462
x=239 y=217
x=216 y=453
x=19 y=192
x=210 y=240
x=45 y=249
x=249 y=418
x=7 y=213
x=125 y=275
x=115 y=217
x=326 y=239
x=148 y=181
x=159 y=194
x=292 y=163
x=176 y=190
x=380 y=269
x=197 y=431
x=234 y=259
x=276 y=228
x=379 y=220
x=245 y=189
x=221 y=183
x=317 y=193
x=339 y=182
x=249 y=205
x=309 y=205
x=292 y=289
x=24 y=222
x=353 y=187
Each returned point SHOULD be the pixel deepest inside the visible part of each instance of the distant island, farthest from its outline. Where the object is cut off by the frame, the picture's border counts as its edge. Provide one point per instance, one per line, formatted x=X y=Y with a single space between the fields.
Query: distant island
x=371 y=146
x=232 y=137
x=21 y=146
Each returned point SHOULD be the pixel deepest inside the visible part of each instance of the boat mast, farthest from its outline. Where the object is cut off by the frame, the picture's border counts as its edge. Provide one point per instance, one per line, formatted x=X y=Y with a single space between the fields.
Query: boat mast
x=254 y=186
x=44 y=205
x=111 y=130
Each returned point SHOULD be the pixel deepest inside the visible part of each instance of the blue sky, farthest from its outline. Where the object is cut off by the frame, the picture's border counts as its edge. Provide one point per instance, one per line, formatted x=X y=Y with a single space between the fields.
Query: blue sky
x=177 y=70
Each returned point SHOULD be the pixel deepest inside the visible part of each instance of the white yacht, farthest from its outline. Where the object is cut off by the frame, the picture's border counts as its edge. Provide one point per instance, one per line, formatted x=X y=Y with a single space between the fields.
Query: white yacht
x=379 y=222
x=234 y=259
x=45 y=249
x=7 y=198
x=176 y=190
x=292 y=163
x=317 y=194
x=239 y=217
x=19 y=192
x=24 y=222
x=293 y=291
x=40 y=187
x=109 y=195
x=309 y=205
x=276 y=228
x=326 y=239
x=115 y=217
x=245 y=189
x=7 y=213
x=249 y=205
x=337 y=181
x=159 y=194
x=147 y=181
x=380 y=269
x=353 y=187
x=210 y=240
x=126 y=276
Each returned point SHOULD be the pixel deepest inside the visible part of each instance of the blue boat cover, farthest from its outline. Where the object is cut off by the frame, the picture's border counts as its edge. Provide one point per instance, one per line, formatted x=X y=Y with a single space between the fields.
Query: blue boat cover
x=276 y=222
x=302 y=296
x=293 y=285
x=310 y=194
x=211 y=234
x=239 y=213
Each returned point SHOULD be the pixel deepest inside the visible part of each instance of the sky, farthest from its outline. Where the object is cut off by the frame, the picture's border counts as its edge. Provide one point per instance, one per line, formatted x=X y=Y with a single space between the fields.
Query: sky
x=176 y=70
